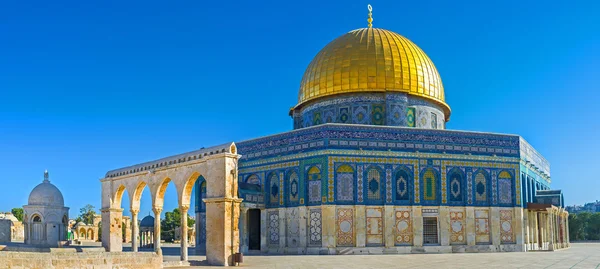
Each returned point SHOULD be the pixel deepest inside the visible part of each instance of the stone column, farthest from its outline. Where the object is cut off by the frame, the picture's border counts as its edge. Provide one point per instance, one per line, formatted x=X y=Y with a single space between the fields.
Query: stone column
x=134 y=230
x=389 y=225
x=184 y=231
x=243 y=225
x=157 y=211
x=112 y=234
x=264 y=231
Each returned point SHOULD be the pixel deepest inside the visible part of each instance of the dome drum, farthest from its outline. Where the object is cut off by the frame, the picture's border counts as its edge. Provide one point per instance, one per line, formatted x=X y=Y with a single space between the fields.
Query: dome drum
x=389 y=109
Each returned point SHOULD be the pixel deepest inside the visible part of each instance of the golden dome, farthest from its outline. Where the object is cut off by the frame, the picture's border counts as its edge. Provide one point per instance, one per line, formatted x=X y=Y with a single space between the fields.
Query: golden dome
x=372 y=60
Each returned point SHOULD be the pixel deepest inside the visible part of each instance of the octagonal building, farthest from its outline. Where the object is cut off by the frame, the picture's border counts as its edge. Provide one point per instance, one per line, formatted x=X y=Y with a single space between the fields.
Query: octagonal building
x=370 y=168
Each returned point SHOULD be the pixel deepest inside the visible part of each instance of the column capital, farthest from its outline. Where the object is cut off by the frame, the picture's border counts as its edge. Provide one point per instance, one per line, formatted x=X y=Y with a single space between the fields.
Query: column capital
x=134 y=211
x=157 y=210
x=184 y=208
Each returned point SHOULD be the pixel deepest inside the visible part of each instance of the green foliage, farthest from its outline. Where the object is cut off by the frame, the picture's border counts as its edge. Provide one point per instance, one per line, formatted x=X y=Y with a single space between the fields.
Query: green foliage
x=584 y=226
x=171 y=221
x=18 y=213
x=86 y=214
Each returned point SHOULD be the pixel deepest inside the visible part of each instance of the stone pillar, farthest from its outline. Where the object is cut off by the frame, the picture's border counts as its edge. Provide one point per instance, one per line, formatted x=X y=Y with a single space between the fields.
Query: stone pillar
x=222 y=233
x=264 y=231
x=243 y=224
x=112 y=234
x=550 y=231
x=470 y=229
x=184 y=231
x=134 y=230
x=282 y=229
x=518 y=226
x=417 y=216
x=389 y=217
x=444 y=221
x=304 y=230
x=360 y=225
x=495 y=226
x=328 y=226
x=157 y=211
x=567 y=230
x=536 y=232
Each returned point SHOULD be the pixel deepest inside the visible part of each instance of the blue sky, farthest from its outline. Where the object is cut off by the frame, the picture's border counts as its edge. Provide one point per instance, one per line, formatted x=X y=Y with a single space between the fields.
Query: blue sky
x=92 y=86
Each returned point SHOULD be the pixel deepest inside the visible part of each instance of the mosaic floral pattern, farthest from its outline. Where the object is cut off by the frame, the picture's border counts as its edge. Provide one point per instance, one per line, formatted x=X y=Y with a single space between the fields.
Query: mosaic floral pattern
x=482 y=226
x=480 y=187
x=455 y=178
x=314 y=236
x=374 y=226
x=469 y=188
x=373 y=184
x=274 y=188
x=345 y=227
x=457 y=227
x=403 y=229
x=273 y=227
x=402 y=185
x=388 y=185
x=294 y=186
x=506 y=230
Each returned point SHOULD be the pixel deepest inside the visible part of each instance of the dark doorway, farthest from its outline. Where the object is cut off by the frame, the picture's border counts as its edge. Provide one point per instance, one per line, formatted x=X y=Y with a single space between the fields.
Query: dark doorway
x=254 y=229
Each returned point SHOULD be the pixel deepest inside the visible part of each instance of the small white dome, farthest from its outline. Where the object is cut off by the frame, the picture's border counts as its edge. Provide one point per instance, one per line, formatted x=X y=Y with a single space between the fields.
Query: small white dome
x=46 y=194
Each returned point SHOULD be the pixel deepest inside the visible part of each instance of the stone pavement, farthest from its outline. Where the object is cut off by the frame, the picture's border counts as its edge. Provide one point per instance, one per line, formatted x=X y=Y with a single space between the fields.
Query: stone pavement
x=580 y=255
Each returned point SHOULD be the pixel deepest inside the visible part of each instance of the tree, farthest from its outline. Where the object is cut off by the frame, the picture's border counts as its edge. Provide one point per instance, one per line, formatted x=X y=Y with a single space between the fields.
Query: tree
x=170 y=223
x=18 y=213
x=86 y=214
x=584 y=226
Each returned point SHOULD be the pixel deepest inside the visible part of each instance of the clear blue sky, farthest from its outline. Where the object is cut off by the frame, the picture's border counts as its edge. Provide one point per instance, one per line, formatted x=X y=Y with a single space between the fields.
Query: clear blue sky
x=89 y=86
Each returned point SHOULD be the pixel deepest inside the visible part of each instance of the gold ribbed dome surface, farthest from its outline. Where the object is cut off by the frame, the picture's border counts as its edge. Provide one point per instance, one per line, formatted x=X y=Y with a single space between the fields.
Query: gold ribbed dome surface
x=372 y=60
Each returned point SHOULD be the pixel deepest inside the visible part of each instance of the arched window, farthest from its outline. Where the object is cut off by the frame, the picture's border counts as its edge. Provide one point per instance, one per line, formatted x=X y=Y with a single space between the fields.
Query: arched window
x=402 y=186
x=345 y=183
x=37 y=218
x=253 y=179
x=429 y=185
x=455 y=179
x=505 y=187
x=293 y=185
x=274 y=188
x=480 y=187
x=314 y=185
x=373 y=184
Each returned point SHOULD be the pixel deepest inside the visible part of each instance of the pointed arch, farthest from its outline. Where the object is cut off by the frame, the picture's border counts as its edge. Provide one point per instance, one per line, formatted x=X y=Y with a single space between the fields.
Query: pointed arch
x=188 y=187
x=373 y=176
x=345 y=183
x=481 y=186
x=456 y=183
x=118 y=197
x=158 y=199
x=403 y=185
x=137 y=195
x=313 y=183
x=274 y=188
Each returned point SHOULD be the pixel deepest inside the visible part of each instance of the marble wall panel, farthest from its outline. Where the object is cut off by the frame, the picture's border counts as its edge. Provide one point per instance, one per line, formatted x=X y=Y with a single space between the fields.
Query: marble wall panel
x=374 y=229
x=482 y=226
x=403 y=229
x=344 y=227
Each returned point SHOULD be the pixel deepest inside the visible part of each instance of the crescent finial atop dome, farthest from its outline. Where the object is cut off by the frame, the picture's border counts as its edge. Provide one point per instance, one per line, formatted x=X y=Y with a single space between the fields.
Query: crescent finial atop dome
x=46 y=176
x=370 y=19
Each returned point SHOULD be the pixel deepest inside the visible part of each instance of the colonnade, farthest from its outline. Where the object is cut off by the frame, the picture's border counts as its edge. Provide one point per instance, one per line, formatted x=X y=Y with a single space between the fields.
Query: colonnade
x=547 y=229
x=216 y=165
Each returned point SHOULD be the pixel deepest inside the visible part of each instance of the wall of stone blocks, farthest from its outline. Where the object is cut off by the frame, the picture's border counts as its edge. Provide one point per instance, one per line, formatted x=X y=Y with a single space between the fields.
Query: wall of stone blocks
x=68 y=258
x=360 y=229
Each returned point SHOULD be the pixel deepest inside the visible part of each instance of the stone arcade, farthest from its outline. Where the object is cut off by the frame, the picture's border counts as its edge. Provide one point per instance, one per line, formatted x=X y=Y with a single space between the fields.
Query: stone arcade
x=368 y=168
